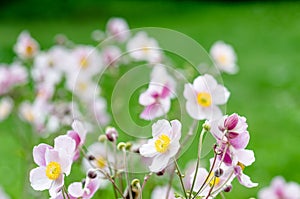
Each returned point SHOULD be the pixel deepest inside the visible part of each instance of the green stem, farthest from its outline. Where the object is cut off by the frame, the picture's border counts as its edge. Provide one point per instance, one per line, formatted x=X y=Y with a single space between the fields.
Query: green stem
x=180 y=178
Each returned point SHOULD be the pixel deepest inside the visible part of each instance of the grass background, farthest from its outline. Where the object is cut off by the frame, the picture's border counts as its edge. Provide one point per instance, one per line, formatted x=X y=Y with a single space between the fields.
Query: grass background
x=266 y=37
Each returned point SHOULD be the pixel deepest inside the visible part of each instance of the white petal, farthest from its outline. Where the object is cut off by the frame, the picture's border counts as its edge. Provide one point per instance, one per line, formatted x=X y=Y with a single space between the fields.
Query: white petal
x=159 y=163
x=148 y=150
x=220 y=95
x=38 y=179
x=56 y=186
x=189 y=93
x=176 y=130
x=146 y=98
x=75 y=189
x=245 y=156
x=161 y=127
x=64 y=144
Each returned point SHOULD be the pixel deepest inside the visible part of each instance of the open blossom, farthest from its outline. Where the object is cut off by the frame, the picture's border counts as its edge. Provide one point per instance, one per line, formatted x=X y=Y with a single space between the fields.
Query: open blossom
x=204 y=96
x=224 y=57
x=6 y=105
x=218 y=180
x=26 y=47
x=164 y=145
x=157 y=98
x=54 y=163
x=84 y=190
x=280 y=189
x=111 y=56
x=161 y=192
x=144 y=48
x=118 y=28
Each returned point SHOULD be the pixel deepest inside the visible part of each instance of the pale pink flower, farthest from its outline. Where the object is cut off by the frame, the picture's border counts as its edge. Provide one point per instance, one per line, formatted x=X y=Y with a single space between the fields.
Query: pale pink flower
x=111 y=56
x=204 y=96
x=54 y=163
x=164 y=145
x=86 y=190
x=280 y=189
x=26 y=47
x=6 y=105
x=118 y=28
x=157 y=98
x=224 y=57
x=160 y=192
x=144 y=48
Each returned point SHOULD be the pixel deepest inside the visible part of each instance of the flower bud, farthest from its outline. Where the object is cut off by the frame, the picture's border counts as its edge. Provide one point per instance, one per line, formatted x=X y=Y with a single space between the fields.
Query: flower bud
x=121 y=146
x=128 y=145
x=102 y=138
x=135 y=182
x=219 y=172
x=206 y=126
x=228 y=188
x=91 y=158
x=111 y=134
x=92 y=174
x=161 y=173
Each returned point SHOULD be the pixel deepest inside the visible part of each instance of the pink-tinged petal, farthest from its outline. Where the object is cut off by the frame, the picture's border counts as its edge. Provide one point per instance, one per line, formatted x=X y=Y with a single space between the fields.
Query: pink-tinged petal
x=166 y=92
x=148 y=150
x=240 y=141
x=92 y=187
x=243 y=179
x=189 y=93
x=161 y=127
x=64 y=144
x=266 y=193
x=56 y=186
x=75 y=189
x=38 y=179
x=245 y=156
x=152 y=111
x=220 y=95
x=80 y=129
x=231 y=121
x=159 y=163
x=292 y=190
x=39 y=154
x=51 y=155
x=146 y=98
x=65 y=163
x=227 y=158
x=232 y=135
x=200 y=178
x=75 y=136
x=176 y=130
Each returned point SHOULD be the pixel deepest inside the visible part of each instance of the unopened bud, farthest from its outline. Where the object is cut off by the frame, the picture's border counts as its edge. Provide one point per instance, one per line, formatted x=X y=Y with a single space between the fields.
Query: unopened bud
x=219 y=172
x=161 y=173
x=206 y=126
x=228 y=188
x=102 y=138
x=128 y=145
x=91 y=158
x=135 y=182
x=121 y=146
x=92 y=174
x=111 y=134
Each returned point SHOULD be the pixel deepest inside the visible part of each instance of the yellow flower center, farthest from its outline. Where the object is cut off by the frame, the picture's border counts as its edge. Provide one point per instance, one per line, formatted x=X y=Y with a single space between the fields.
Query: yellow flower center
x=204 y=99
x=213 y=180
x=53 y=170
x=84 y=62
x=241 y=165
x=29 y=50
x=101 y=162
x=82 y=86
x=162 y=143
x=222 y=59
x=29 y=116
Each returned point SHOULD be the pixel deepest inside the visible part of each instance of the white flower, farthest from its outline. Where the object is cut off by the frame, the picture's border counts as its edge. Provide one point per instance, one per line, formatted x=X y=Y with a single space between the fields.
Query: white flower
x=161 y=193
x=144 y=48
x=164 y=145
x=111 y=56
x=6 y=105
x=224 y=57
x=118 y=28
x=157 y=98
x=26 y=47
x=203 y=96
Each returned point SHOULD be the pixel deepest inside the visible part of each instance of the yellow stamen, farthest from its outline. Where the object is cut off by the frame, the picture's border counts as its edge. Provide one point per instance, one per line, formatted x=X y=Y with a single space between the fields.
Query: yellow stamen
x=29 y=116
x=241 y=165
x=213 y=180
x=84 y=62
x=222 y=59
x=53 y=170
x=29 y=50
x=204 y=99
x=162 y=143
x=82 y=86
x=101 y=162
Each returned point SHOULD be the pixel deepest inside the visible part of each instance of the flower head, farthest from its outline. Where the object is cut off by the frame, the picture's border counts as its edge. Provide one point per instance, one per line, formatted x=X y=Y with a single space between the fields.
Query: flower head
x=6 y=105
x=54 y=163
x=118 y=28
x=164 y=145
x=224 y=57
x=157 y=98
x=26 y=47
x=204 y=96
x=280 y=189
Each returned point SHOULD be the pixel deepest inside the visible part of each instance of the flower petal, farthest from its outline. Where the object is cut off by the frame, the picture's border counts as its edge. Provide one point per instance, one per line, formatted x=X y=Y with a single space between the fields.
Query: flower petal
x=75 y=189
x=39 y=154
x=38 y=179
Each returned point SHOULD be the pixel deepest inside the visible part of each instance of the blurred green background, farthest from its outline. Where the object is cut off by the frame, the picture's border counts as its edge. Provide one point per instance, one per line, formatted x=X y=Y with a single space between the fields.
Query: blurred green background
x=266 y=37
